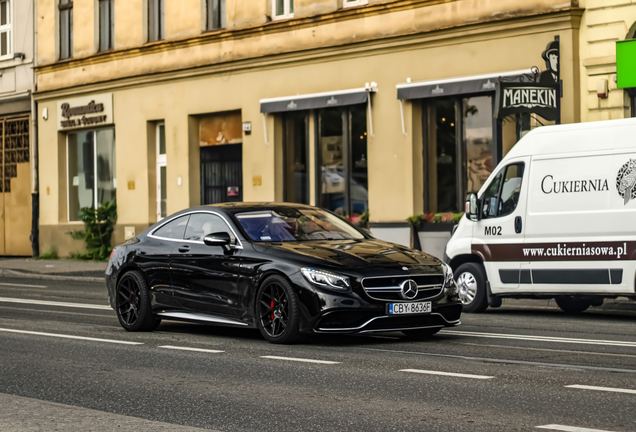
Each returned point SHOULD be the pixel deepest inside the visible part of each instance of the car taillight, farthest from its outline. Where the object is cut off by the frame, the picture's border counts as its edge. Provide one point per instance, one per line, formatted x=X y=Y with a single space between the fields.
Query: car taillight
x=111 y=254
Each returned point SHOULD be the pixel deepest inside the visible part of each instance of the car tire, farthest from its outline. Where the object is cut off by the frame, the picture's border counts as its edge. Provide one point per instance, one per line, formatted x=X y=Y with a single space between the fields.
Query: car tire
x=132 y=303
x=471 y=284
x=421 y=334
x=278 y=311
x=572 y=304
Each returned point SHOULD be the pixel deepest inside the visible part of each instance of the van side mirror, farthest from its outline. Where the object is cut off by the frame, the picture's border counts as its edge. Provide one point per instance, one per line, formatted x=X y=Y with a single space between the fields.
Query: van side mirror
x=218 y=239
x=473 y=207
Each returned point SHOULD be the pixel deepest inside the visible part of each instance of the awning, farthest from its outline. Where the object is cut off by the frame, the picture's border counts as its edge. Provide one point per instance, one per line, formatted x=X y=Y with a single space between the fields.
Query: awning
x=455 y=86
x=317 y=100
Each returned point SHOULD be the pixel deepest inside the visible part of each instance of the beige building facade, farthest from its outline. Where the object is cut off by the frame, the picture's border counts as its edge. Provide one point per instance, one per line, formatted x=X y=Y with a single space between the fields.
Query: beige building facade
x=605 y=23
x=166 y=104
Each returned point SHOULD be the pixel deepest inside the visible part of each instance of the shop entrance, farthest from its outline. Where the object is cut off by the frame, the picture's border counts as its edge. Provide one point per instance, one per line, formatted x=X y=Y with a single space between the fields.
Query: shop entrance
x=221 y=157
x=461 y=150
x=221 y=173
x=15 y=187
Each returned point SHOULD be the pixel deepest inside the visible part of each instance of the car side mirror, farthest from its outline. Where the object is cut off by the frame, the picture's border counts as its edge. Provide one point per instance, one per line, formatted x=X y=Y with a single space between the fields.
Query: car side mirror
x=473 y=207
x=219 y=239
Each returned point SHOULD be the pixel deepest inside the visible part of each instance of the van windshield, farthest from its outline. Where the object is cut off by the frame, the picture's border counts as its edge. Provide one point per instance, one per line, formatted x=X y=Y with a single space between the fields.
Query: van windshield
x=290 y=225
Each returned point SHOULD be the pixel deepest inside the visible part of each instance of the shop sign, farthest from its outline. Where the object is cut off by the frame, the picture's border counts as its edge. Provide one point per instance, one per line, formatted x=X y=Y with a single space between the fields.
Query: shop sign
x=626 y=63
x=539 y=94
x=85 y=112
x=529 y=97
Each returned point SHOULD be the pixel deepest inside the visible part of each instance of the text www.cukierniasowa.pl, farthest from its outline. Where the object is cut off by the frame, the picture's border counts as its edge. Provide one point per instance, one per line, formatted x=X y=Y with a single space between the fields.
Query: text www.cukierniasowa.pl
x=578 y=251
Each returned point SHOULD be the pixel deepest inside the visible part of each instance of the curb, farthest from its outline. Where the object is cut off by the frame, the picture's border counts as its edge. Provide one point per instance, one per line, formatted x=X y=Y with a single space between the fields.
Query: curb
x=21 y=274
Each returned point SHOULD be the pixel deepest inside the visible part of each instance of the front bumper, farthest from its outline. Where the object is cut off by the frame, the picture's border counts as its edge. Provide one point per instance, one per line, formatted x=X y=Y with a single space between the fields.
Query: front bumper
x=353 y=321
x=354 y=312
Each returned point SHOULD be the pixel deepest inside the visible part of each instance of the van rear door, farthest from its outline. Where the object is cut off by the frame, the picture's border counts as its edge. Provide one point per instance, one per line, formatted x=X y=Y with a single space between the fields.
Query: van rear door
x=501 y=227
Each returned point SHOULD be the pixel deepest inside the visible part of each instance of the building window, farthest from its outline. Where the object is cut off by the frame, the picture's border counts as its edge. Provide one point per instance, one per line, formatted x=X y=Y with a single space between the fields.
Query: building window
x=283 y=9
x=296 y=157
x=106 y=25
x=5 y=28
x=215 y=14
x=66 y=29
x=162 y=163
x=461 y=152
x=156 y=20
x=342 y=169
x=92 y=178
x=350 y=3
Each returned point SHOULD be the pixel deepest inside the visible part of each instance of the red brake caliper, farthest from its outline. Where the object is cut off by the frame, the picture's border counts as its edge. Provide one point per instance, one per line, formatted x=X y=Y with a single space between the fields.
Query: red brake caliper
x=272 y=305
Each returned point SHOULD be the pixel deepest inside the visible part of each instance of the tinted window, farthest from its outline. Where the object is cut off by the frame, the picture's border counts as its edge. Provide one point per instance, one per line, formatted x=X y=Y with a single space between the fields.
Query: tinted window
x=174 y=229
x=202 y=224
x=511 y=189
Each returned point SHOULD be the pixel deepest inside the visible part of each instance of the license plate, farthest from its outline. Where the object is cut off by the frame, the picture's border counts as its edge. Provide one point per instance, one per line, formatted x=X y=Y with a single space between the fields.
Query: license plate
x=409 y=308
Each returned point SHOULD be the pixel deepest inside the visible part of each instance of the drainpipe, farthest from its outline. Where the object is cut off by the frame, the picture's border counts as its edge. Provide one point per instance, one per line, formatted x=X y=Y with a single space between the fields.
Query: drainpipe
x=35 y=178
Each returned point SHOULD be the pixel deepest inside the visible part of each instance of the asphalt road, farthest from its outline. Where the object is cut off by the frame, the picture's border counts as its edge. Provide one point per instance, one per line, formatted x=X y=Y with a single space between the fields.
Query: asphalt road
x=66 y=364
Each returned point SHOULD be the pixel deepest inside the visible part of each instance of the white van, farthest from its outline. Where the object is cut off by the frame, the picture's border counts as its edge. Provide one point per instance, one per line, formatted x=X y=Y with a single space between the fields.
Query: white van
x=556 y=219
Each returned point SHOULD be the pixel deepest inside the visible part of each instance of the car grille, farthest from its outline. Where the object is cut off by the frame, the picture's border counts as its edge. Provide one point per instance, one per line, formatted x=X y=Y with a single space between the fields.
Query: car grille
x=388 y=287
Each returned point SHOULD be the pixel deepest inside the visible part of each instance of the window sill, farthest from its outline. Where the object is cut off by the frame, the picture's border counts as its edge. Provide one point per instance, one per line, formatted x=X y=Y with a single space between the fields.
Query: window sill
x=282 y=17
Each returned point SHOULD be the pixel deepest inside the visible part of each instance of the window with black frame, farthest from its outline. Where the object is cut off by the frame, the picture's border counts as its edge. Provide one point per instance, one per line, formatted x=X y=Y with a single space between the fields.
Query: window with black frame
x=66 y=28
x=296 y=157
x=106 y=25
x=342 y=152
x=215 y=14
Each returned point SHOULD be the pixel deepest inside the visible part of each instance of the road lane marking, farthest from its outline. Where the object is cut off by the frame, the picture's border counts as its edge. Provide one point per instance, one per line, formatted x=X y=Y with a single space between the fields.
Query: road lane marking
x=547 y=350
x=505 y=361
x=53 y=303
x=22 y=285
x=541 y=338
x=451 y=374
x=300 y=360
x=569 y=428
x=190 y=349
x=70 y=337
x=606 y=389
x=57 y=312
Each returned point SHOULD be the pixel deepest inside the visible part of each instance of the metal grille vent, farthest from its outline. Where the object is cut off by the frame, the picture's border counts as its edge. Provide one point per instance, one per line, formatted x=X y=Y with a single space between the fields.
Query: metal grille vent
x=388 y=287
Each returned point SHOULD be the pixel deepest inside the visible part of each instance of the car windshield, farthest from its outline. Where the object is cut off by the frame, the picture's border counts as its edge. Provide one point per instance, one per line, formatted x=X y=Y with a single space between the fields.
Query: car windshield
x=291 y=224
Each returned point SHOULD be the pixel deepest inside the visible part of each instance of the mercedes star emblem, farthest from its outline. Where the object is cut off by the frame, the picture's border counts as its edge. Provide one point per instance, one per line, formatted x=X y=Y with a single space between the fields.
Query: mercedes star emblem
x=409 y=289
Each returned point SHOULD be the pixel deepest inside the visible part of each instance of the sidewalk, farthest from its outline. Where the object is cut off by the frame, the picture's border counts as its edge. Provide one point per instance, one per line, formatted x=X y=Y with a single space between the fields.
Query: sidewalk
x=88 y=271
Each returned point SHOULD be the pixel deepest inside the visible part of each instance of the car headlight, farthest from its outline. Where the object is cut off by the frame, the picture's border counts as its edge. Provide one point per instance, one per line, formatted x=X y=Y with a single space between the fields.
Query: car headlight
x=448 y=275
x=326 y=279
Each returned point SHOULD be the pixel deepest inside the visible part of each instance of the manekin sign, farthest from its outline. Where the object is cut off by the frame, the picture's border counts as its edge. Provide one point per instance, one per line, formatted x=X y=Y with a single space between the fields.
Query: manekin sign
x=542 y=96
x=85 y=112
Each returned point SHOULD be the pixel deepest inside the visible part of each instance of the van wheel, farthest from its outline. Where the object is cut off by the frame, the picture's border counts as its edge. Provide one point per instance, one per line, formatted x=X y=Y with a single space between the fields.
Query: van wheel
x=572 y=304
x=471 y=281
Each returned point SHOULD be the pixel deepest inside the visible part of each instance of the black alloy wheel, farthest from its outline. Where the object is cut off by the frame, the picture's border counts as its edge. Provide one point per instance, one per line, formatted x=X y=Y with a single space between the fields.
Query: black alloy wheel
x=133 y=303
x=278 y=316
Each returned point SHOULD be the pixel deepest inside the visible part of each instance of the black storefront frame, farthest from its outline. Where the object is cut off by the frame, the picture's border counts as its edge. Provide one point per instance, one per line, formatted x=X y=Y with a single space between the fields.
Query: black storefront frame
x=285 y=117
x=461 y=164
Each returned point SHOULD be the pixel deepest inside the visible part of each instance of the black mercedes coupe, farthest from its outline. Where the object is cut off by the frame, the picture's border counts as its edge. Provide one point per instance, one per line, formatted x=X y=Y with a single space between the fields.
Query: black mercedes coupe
x=286 y=269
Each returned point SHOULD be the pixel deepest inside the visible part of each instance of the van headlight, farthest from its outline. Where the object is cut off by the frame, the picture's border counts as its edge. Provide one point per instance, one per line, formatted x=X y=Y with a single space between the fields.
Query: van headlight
x=326 y=279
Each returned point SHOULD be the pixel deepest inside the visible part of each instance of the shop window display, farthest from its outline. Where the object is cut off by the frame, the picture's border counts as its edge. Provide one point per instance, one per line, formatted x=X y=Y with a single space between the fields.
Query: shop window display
x=91 y=170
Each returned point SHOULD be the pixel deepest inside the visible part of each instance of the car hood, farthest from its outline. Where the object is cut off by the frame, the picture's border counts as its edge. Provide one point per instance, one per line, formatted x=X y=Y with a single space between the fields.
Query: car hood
x=355 y=254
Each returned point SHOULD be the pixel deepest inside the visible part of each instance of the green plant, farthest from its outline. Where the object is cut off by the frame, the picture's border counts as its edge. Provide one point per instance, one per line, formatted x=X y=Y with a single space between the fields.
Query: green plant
x=418 y=220
x=99 y=225
x=51 y=255
x=364 y=219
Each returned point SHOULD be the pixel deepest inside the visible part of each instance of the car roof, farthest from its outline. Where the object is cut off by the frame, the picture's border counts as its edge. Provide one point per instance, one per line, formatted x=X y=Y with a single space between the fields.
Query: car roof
x=235 y=207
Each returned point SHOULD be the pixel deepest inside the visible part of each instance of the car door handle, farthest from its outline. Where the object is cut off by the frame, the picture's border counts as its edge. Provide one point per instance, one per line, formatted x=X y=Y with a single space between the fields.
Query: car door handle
x=184 y=248
x=518 y=225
